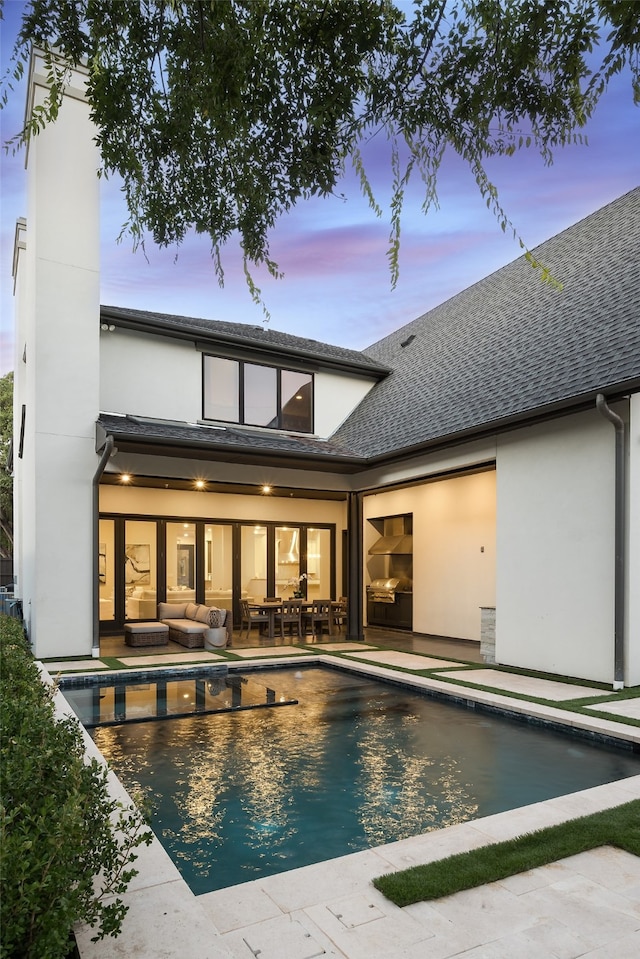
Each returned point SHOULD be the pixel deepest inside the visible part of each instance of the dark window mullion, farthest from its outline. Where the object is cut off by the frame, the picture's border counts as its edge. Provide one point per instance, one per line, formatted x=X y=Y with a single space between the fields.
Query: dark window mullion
x=203 y=386
x=199 y=559
x=271 y=559
x=241 y=388
x=279 y=397
x=161 y=560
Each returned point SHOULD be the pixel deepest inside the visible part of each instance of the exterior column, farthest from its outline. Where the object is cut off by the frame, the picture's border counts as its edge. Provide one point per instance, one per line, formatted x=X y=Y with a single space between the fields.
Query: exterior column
x=355 y=628
x=57 y=375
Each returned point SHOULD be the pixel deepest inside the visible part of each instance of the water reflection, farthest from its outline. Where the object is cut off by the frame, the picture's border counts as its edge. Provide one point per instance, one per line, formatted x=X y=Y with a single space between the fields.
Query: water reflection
x=401 y=791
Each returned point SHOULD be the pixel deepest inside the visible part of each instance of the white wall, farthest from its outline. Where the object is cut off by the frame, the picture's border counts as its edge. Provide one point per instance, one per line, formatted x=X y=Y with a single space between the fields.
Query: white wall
x=632 y=626
x=150 y=376
x=201 y=505
x=21 y=292
x=335 y=398
x=59 y=329
x=429 y=464
x=555 y=547
x=453 y=550
x=218 y=471
x=162 y=377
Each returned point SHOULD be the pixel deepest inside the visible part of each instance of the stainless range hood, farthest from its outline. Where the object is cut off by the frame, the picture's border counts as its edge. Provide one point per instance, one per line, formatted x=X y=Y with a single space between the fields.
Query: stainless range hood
x=388 y=545
x=396 y=538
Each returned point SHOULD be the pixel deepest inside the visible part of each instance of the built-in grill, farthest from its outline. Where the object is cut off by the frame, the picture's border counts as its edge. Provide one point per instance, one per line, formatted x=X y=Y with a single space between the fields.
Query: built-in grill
x=383 y=590
x=390 y=565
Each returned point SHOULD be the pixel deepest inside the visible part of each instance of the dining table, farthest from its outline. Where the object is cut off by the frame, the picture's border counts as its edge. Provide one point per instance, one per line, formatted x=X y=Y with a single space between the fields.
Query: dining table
x=273 y=607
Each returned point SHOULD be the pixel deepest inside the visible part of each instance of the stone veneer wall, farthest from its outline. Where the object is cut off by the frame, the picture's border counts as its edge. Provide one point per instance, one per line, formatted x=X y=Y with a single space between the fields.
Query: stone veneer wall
x=488 y=633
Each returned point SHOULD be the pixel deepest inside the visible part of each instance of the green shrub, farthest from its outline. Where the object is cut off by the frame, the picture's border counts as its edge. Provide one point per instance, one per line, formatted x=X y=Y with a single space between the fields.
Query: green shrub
x=65 y=845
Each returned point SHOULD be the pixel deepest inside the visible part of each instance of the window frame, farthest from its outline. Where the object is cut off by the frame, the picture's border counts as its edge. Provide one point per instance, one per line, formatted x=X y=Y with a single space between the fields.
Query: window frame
x=241 y=421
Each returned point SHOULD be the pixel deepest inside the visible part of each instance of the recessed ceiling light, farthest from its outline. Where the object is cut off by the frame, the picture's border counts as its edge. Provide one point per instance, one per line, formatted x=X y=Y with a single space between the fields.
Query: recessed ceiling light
x=125 y=478
x=266 y=488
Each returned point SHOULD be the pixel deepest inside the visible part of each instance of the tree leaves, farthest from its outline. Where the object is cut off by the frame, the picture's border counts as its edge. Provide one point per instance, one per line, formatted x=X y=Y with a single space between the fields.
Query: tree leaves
x=220 y=116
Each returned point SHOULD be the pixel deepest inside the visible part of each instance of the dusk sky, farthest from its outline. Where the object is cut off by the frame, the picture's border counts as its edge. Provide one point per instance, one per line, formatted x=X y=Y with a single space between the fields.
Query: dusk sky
x=337 y=286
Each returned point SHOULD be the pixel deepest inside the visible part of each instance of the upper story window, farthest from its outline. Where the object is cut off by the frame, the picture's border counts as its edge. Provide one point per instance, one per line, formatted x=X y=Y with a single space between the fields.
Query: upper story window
x=239 y=392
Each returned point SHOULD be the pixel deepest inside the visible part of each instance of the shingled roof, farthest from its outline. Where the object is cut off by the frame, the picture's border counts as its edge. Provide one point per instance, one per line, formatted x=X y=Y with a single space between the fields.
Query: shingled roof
x=512 y=347
x=502 y=353
x=245 y=336
x=229 y=443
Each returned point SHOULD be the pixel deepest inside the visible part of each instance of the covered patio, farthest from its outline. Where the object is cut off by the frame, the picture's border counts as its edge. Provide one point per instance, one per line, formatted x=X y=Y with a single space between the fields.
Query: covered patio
x=439 y=646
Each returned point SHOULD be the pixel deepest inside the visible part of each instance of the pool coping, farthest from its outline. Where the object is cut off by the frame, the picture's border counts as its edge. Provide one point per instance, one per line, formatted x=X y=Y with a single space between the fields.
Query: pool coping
x=182 y=922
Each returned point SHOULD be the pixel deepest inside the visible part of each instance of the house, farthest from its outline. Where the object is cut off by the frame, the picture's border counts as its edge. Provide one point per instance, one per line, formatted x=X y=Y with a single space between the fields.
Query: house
x=486 y=456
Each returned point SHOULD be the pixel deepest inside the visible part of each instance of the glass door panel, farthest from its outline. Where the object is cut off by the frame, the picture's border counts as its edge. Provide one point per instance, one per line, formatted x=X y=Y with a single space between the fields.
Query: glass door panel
x=253 y=567
x=288 y=562
x=140 y=574
x=218 y=566
x=181 y=562
x=106 y=569
x=318 y=563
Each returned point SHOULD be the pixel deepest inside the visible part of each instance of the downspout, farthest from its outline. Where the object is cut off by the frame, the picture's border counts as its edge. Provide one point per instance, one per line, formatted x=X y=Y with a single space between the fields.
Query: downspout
x=620 y=522
x=109 y=449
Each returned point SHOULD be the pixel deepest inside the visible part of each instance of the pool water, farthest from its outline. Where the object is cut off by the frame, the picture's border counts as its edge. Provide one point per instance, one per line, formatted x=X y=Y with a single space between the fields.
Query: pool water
x=357 y=763
x=144 y=697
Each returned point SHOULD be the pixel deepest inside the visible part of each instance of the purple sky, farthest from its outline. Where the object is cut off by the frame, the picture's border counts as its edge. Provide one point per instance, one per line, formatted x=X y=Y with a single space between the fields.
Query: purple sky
x=337 y=284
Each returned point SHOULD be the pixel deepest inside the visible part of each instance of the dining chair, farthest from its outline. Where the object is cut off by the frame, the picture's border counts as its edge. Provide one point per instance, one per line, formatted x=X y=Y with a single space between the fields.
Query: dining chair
x=250 y=616
x=318 y=616
x=290 y=616
x=339 y=613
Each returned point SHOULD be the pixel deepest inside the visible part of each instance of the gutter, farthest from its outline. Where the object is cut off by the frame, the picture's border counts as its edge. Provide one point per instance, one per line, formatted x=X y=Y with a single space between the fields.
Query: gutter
x=107 y=452
x=620 y=522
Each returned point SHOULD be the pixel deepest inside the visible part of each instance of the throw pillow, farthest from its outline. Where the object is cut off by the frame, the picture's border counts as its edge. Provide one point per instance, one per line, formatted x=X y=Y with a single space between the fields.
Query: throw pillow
x=217 y=617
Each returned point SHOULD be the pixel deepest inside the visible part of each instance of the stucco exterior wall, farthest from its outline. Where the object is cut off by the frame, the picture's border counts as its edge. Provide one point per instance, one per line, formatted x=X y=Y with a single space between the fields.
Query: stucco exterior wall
x=632 y=625
x=162 y=377
x=58 y=335
x=335 y=398
x=473 y=454
x=454 y=557
x=150 y=376
x=555 y=547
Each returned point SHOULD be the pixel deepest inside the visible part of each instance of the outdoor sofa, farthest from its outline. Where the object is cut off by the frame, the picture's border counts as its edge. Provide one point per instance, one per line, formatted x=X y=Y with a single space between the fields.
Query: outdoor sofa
x=195 y=626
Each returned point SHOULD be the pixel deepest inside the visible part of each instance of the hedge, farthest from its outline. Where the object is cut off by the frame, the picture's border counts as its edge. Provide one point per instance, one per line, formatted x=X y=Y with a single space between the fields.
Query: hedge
x=65 y=844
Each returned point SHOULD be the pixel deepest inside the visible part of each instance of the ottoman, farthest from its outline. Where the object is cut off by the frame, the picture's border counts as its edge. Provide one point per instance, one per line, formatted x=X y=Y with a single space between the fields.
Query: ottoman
x=146 y=634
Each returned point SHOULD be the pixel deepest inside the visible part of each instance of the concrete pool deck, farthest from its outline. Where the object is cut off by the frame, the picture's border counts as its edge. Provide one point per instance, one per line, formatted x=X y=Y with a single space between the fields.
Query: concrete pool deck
x=587 y=905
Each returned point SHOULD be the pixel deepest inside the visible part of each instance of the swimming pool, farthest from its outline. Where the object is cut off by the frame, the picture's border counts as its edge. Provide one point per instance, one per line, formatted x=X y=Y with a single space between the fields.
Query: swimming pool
x=355 y=764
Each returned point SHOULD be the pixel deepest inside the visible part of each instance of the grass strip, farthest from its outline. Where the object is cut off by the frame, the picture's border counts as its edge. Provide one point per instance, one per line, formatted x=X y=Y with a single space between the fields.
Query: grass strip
x=619 y=827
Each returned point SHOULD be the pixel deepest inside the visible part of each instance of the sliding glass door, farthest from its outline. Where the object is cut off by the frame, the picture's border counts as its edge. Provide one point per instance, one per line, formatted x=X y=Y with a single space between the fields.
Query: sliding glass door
x=140 y=569
x=144 y=561
x=218 y=565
